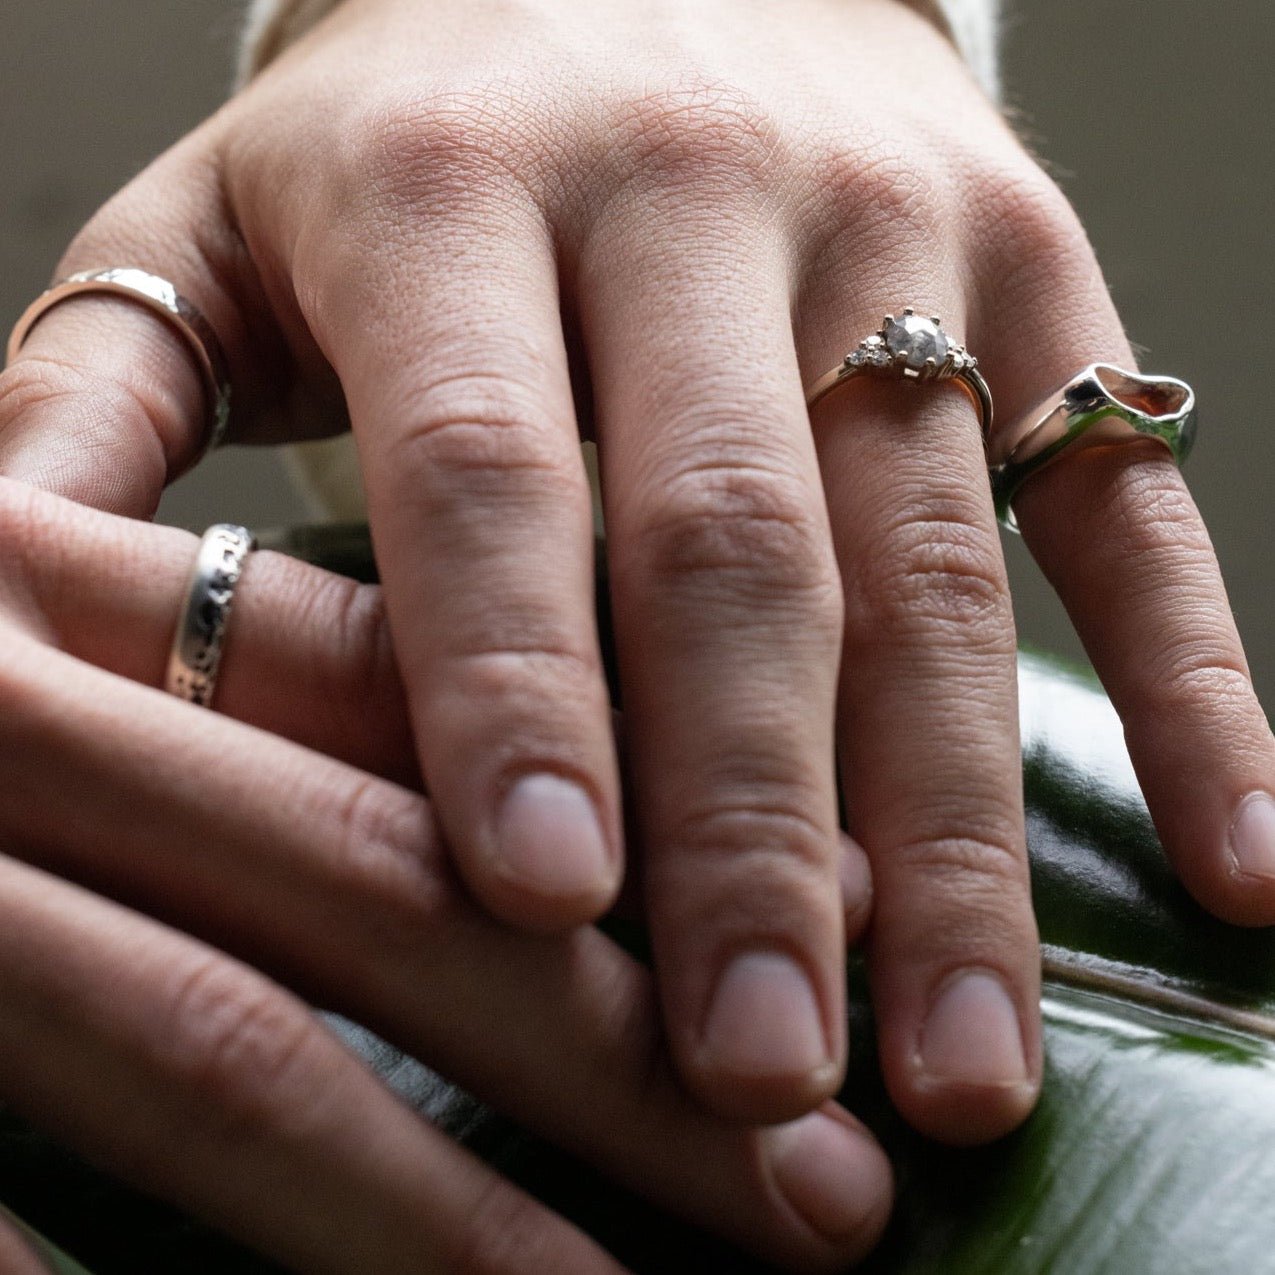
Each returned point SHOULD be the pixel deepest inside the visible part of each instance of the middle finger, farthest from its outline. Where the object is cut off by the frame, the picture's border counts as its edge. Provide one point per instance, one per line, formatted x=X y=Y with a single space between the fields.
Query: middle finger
x=727 y=615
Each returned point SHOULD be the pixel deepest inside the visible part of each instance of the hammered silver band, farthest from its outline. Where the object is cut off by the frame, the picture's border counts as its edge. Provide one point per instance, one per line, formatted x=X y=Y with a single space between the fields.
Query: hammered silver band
x=911 y=348
x=1100 y=406
x=198 y=642
x=163 y=299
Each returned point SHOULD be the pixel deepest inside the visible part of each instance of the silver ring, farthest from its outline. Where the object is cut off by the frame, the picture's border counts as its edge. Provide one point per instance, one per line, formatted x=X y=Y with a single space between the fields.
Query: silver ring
x=160 y=297
x=911 y=348
x=201 y=629
x=1099 y=406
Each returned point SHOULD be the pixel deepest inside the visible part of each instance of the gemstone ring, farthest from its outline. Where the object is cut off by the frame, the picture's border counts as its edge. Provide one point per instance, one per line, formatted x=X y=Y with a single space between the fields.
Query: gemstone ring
x=916 y=349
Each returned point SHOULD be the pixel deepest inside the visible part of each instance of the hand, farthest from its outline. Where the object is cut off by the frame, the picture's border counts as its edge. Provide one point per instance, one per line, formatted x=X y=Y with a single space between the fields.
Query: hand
x=444 y=216
x=195 y=1076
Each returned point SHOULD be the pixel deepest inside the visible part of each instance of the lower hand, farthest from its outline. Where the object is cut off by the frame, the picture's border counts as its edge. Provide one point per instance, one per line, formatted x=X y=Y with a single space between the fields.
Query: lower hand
x=196 y=1076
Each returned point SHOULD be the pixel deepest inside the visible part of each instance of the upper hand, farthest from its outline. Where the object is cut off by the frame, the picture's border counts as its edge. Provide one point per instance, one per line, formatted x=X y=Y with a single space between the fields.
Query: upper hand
x=483 y=227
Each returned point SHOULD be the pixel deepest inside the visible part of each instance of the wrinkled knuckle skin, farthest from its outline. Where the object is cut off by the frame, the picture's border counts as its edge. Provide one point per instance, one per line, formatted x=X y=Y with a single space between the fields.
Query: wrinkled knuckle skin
x=870 y=205
x=533 y=676
x=937 y=575
x=967 y=864
x=780 y=837
x=387 y=853
x=246 y=1054
x=441 y=154
x=708 y=136
x=122 y=418
x=743 y=532
x=481 y=433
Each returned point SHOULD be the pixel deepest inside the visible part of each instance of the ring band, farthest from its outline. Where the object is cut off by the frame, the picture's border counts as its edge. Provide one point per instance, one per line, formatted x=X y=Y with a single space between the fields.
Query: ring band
x=915 y=349
x=159 y=296
x=1100 y=406
x=201 y=630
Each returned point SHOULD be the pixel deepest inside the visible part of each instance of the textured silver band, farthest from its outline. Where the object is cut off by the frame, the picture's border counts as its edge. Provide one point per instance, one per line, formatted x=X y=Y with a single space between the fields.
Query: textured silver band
x=201 y=629
x=160 y=297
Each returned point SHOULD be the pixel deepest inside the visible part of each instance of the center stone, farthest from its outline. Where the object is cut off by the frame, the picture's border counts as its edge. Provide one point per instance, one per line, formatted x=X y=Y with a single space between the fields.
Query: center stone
x=917 y=339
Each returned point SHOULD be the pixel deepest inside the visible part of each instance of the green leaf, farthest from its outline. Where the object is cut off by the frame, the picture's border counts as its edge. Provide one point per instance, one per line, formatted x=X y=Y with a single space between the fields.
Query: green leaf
x=1152 y=1151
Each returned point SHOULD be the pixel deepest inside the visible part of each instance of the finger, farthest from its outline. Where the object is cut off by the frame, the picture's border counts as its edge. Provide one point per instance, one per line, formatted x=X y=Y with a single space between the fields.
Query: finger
x=311 y=653
x=338 y=884
x=17 y=1256
x=856 y=890
x=927 y=729
x=452 y=355
x=105 y=403
x=106 y=1016
x=727 y=616
x=308 y=654
x=1119 y=537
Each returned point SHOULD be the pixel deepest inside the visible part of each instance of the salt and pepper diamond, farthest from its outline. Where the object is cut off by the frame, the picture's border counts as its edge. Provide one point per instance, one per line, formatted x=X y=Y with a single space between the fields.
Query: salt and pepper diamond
x=912 y=346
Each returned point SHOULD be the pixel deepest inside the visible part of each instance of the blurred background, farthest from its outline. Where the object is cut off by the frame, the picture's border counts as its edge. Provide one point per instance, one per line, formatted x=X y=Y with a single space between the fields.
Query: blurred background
x=1156 y=117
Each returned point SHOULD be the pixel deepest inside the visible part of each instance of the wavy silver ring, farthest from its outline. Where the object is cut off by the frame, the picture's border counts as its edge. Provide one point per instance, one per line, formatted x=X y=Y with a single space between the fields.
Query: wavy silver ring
x=163 y=299
x=200 y=637
x=1100 y=406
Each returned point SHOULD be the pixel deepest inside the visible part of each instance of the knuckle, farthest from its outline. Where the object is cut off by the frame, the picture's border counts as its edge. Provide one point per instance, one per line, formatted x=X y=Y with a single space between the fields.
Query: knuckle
x=481 y=430
x=745 y=529
x=388 y=855
x=114 y=417
x=868 y=202
x=246 y=1052
x=942 y=572
x=966 y=863
x=438 y=152
x=706 y=135
x=754 y=866
x=1196 y=672
x=540 y=682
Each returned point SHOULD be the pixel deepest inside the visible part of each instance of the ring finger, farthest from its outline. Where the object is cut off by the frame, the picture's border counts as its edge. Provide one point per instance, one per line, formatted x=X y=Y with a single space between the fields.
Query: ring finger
x=927 y=727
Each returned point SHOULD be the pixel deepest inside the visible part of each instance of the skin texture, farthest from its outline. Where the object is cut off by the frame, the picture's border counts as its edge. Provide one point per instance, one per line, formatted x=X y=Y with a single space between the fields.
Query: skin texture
x=288 y=861
x=482 y=229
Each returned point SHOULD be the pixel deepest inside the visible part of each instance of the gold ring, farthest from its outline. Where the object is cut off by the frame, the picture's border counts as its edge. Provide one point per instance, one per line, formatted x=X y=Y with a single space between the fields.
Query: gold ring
x=160 y=297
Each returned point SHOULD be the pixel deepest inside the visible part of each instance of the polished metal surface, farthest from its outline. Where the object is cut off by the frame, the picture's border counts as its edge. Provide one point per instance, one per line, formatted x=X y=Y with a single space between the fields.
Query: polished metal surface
x=163 y=299
x=201 y=630
x=914 y=349
x=1102 y=406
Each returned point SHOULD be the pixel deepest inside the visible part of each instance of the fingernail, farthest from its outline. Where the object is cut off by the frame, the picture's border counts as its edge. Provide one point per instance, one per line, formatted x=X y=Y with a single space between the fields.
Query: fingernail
x=549 y=838
x=764 y=1019
x=830 y=1173
x=1253 y=835
x=972 y=1036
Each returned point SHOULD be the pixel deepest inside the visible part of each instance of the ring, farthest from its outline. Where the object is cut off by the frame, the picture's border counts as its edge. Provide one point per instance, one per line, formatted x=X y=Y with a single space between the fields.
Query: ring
x=915 y=349
x=159 y=296
x=201 y=630
x=1100 y=406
